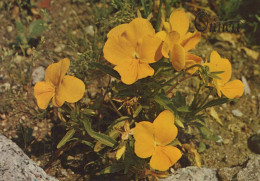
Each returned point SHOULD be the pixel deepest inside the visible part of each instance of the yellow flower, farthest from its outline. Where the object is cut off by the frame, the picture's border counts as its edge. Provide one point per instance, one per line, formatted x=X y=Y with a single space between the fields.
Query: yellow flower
x=177 y=42
x=58 y=86
x=151 y=139
x=132 y=47
x=231 y=89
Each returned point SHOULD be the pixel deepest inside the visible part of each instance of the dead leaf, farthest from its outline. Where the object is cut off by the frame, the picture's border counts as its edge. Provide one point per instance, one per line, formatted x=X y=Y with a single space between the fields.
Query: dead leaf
x=15 y=13
x=251 y=53
x=45 y=4
x=192 y=149
x=229 y=37
x=214 y=114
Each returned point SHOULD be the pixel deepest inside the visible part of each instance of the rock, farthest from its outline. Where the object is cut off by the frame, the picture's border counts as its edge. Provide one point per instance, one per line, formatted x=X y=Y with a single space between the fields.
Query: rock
x=247 y=89
x=227 y=174
x=16 y=165
x=252 y=170
x=193 y=173
x=4 y=87
x=90 y=30
x=237 y=113
x=38 y=74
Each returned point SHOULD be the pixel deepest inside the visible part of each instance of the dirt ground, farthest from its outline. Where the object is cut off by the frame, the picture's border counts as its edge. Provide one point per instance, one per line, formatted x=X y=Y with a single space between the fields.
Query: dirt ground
x=20 y=116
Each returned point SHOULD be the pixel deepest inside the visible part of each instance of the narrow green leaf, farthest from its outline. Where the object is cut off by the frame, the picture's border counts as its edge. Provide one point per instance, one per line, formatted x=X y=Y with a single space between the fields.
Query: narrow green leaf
x=104 y=139
x=183 y=109
x=106 y=69
x=216 y=102
x=87 y=143
x=137 y=111
x=113 y=124
x=36 y=28
x=179 y=123
x=165 y=102
x=113 y=168
x=66 y=138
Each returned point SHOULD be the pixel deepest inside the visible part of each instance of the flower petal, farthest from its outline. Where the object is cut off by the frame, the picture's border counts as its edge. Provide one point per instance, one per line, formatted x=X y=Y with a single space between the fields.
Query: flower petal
x=118 y=30
x=57 y=101
x=118 y=50
x=179 y=22
x=170 y=39
x=161 y=35
x=137 y=29
x=214 y=56
x=144 y=139
x=144 y=70
x=56 y=71
x=190 y=60
x=178 y=57
x=233 y=89
x=164 y=129
x=191 y=40
x=148 y=49
x=220 y=64
x=43 y=92
x=164 y=157
x=71 y=89
x=128 y=71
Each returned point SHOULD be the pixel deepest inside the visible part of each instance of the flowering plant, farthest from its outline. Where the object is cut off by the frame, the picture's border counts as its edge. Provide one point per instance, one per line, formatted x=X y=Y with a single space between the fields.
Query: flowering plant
x=148 y=66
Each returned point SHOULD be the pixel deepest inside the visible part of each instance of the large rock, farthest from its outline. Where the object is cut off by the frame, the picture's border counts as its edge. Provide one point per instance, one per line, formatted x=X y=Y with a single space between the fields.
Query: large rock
x=15 y=165
x=193 y=173
x=252 y=170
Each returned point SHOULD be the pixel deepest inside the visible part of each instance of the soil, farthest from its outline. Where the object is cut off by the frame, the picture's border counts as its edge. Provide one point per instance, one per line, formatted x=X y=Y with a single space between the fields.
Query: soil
x=19 y=115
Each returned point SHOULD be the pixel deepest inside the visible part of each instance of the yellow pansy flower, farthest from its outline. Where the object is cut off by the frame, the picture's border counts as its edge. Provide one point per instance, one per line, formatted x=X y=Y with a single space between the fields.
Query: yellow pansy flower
x=152 y=139
x=58 y=86
x=231 y=89
x=178 y=42
x=132 y=47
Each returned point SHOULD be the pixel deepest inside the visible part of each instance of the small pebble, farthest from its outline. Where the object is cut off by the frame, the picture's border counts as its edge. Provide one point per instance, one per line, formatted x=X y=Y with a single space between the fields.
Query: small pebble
x=38 y=74
x=9 y=28
x=90 y=30
x=237 y=113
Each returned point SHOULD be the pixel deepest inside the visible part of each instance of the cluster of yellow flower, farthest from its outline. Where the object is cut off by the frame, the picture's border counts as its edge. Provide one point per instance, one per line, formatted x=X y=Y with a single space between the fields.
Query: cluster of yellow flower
x=131 y=48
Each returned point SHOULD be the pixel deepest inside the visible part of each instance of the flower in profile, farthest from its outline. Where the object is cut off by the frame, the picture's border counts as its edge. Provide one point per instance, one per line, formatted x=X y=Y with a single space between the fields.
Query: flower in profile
x=178 y=42
x=152 y=139
x=132 y=47
x=58 y=86
x=231 y=89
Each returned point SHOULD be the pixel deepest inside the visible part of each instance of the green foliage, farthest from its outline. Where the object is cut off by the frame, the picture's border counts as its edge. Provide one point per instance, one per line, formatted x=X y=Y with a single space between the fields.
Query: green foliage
x=66 y=138
x=34 y=31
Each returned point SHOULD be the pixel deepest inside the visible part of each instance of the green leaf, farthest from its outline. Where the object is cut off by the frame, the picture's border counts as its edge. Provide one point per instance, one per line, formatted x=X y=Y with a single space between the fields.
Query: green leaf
x=113 y=124
x=179 y=123
x=202 y=147
x=106 y=69
x=104 y=139
x=36 y=28
x=66 y=138
x=87 y=143
x=165 y=102
x=207 y=134
x=183 y=109
x=216 y=102
x=137 y=111
x=21 y=31
x=113 y=168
